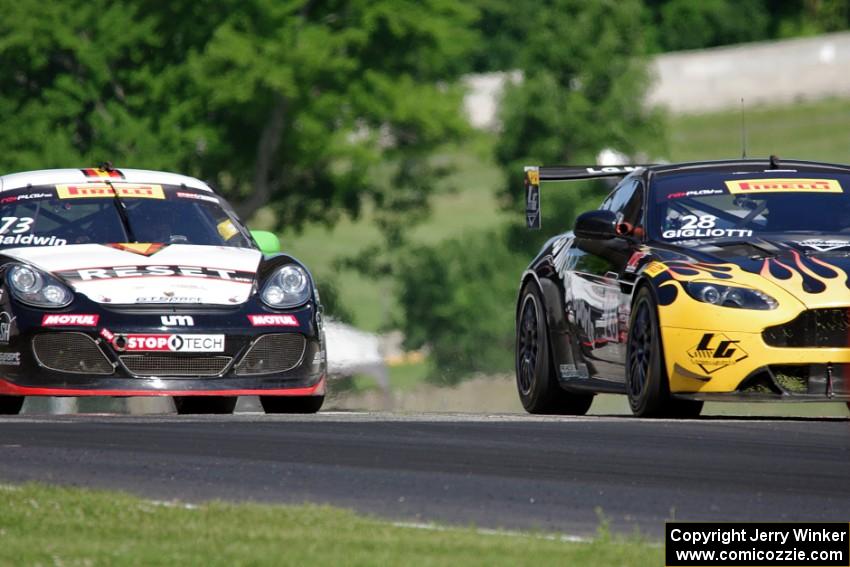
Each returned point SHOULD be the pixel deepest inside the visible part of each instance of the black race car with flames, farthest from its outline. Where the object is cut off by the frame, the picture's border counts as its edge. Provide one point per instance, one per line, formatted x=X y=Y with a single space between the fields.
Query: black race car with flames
x=725 y=280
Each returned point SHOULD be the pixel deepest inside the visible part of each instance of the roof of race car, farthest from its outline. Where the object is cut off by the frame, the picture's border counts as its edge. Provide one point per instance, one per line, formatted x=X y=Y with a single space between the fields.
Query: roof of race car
x=57 y=176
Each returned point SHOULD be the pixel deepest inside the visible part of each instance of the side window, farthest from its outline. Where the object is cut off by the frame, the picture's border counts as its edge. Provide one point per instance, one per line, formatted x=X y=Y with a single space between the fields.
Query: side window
x=620 y=196
x=633 y=209
x=627 y=201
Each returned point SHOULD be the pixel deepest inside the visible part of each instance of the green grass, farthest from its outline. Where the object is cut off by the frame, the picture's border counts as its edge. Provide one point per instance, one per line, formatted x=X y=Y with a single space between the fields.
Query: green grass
x=46 y=525
x=817 y=131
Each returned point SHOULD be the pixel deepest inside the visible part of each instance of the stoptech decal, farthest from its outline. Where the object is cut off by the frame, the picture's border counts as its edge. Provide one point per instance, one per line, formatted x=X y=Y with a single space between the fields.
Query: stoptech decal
x=716 y=351
x=119 y=272
x=69 y=320
x=273 y=320
x=169 y=343
x=101 y=190
x=784 y=186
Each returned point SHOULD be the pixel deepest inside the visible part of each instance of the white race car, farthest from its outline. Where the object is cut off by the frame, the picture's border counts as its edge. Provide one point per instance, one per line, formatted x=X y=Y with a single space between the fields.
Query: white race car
x=143 y=283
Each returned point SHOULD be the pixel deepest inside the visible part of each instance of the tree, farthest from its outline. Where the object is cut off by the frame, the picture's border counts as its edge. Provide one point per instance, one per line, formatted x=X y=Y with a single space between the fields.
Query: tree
x=293 y=103
x=583 y=90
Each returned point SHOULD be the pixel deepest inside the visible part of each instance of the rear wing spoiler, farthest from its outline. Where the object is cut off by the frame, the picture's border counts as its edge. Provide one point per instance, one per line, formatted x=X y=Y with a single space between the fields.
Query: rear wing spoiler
x=534 y=175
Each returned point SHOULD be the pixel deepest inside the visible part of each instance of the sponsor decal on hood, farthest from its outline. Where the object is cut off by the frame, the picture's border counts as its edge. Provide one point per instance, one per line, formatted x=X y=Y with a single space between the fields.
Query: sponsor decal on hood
x=177 y=273
x=824 y=245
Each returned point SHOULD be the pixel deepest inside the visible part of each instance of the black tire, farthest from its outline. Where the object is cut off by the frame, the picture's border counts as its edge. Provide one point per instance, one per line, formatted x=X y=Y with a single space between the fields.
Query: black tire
x=187 y=405
x=537 y=382
x=292 y=404
x=647 y=386
x=11 y=405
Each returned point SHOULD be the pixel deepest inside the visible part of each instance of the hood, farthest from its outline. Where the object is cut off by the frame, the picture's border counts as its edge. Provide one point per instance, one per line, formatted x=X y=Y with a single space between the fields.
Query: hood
x=815 y=270
x=150 y=273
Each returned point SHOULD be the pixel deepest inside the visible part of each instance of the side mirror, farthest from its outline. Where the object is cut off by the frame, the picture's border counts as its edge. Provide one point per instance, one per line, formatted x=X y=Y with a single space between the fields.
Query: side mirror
x=597 y=225
x=268 y=242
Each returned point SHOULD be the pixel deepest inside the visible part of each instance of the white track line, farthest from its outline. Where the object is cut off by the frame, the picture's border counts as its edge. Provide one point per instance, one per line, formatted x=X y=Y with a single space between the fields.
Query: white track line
x=490 y=532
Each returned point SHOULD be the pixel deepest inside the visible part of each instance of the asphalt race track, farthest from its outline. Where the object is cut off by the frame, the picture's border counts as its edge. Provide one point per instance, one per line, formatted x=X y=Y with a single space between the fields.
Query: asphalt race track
x=511 y=471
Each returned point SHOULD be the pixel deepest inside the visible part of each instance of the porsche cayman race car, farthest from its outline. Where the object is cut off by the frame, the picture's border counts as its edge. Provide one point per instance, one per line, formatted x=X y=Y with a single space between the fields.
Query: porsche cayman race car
x=725 y=280
x=143 y=283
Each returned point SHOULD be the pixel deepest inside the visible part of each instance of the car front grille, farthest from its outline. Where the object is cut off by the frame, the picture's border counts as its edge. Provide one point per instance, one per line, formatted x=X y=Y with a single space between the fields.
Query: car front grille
x=70 y=352
x=272 y=353
x=827 y=328
x=166 y=365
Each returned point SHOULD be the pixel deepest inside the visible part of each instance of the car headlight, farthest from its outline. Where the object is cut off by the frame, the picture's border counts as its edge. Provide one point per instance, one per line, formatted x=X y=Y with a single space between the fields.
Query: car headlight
x=730 y=296
x=37 y=288
x=287 y=287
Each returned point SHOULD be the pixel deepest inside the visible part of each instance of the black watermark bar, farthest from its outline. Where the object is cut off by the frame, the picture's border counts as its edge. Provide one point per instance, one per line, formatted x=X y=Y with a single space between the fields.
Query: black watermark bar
x=764 y=544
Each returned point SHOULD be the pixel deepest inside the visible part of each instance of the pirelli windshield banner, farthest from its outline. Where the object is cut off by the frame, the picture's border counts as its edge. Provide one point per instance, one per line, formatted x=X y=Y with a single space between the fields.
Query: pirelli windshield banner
x=768 y=544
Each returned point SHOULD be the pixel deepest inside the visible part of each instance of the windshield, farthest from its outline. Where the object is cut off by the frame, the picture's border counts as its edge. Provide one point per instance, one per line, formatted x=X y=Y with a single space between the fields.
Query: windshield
x=699 y=206
x=89 y=213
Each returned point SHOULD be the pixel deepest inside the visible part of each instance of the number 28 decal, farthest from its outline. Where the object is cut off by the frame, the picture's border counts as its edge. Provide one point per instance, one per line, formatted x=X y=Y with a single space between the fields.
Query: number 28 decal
x=693 y=222
x=15 y=225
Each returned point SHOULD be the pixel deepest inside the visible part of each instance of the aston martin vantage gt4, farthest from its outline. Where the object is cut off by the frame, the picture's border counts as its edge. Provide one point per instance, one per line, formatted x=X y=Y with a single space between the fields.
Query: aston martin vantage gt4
x=726 y=280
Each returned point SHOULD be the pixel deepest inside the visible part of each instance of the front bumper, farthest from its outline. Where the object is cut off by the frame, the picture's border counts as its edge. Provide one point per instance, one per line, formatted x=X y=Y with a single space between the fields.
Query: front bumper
x=711 y=364
x=87 y=360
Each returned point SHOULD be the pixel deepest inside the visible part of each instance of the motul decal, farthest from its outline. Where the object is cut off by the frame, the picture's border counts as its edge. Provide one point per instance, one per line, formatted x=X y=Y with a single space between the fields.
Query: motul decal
x=273 y=320
x=69 y=320
x=169 y=343
x=716 y=351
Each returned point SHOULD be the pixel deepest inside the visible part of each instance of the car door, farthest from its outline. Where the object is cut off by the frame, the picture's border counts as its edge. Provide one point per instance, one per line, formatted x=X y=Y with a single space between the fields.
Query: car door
x=598 y=296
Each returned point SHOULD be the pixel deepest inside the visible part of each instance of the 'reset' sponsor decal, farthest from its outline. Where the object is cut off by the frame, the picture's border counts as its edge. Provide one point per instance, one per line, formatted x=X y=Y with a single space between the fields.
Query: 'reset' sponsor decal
x=168 y=343
x=273 y=320
x=69 y=320
x=141 y=248
x=119 y=272
x=716 y=351
x=784 y=186
x=101 y=190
